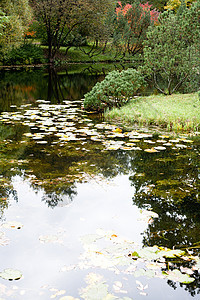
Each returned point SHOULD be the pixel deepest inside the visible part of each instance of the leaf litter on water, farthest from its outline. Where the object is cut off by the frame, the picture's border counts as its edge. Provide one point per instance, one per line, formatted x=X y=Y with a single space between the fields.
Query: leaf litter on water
x=64 y=118
x=154 y=259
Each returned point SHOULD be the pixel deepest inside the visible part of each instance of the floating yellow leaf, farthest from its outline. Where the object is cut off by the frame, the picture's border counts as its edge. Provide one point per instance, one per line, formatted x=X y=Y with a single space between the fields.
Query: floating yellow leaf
x=152 y=150
x=113 y=235
x=119 y=130
x=187 y=141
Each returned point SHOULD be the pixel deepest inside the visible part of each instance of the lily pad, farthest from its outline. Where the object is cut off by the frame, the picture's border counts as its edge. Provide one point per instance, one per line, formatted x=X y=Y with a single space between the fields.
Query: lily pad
x=140 y=272
x=97 y=291
x=181 y=146
x=149 y=253
x=90 y=238
x=12 y=225
x=176 y=275
x=172 y=253
x=49 y=239
x=11 y=274
x=149 y=214
x=152 y=150
x=160 y=148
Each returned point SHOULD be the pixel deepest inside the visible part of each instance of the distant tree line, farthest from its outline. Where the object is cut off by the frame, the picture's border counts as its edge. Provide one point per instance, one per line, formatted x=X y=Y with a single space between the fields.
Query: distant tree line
x=166 y=35
x=59 y=23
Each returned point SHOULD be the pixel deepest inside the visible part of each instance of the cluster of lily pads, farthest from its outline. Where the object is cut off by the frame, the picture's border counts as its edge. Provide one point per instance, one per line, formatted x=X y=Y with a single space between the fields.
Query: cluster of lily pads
x=65 y=123
x=9 y=273
x=108 y=251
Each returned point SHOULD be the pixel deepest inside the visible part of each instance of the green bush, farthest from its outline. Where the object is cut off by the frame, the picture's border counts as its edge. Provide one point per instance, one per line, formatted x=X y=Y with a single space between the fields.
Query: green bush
x=26 y=54
x=115 y=90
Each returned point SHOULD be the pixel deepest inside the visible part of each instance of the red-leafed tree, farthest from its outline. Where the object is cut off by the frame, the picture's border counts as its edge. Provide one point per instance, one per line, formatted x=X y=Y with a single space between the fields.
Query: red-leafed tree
x=132 y=22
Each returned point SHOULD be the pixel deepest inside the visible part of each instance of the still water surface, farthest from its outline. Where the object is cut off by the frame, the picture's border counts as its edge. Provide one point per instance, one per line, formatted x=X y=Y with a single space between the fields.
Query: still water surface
x=86 y=196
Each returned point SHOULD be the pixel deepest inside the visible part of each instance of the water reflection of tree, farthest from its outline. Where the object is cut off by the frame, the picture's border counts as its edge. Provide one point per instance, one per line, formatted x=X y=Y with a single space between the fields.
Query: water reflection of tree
x=64 y=86
x=157 y=179
x=55 y=85
x=162 y=181
x=10 y=152
x=57 y=170
x=62 y=198
x=18 y=86
x=169 y=184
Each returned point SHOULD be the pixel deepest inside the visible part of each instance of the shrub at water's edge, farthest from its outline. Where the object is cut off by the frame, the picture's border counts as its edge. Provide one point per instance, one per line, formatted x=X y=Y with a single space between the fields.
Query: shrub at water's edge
x=26 y=54
x=179 y=112
x=115 y=90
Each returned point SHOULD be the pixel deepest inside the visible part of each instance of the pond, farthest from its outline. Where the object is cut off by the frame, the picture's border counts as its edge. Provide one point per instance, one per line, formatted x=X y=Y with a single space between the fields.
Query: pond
x=89 y=211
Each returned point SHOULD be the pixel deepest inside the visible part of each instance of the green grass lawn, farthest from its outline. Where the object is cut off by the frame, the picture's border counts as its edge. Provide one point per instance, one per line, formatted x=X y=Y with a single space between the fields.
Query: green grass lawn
x=75 y=54
x=179 y=112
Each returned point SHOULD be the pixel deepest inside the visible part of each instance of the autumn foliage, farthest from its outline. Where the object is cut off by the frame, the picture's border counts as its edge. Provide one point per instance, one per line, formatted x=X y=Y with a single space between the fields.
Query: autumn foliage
x=132 y=23
x=146 y=7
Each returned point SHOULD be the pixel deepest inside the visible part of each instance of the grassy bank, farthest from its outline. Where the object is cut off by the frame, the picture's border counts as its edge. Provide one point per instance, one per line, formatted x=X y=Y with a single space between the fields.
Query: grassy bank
x=180 y=112
x=83 y=54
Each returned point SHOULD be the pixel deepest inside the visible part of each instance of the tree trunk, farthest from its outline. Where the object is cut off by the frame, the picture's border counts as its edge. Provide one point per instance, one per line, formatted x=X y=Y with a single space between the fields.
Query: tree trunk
x=50 y=48
x=104 y=48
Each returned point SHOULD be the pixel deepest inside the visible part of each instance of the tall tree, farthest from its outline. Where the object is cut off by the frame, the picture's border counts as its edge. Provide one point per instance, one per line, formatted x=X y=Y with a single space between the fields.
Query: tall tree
x=60 y=17
x=132 y=22
x=3 y=21
x=98 y=26
x=172 y=49
x=57 y=19
x=15 y=15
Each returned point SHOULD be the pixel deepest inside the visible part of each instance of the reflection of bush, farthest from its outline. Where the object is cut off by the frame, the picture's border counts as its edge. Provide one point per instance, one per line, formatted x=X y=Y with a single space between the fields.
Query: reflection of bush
x=21 y=77
x=17 y=86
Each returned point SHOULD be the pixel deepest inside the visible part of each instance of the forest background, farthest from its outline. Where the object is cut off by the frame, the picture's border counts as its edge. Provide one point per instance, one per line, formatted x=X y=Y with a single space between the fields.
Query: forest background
x=161 y=38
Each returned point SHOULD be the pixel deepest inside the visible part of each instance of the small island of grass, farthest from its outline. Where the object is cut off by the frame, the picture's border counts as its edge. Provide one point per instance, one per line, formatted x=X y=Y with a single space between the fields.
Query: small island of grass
x=178 y=112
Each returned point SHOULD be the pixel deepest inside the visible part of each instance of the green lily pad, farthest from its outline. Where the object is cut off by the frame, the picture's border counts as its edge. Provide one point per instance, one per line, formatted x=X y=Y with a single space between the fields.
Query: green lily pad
x=97 y=291
x=171 y=253
x=11 y=274
x=176 y=275
x=148 y=253
x=90 y=238
x=139 y=273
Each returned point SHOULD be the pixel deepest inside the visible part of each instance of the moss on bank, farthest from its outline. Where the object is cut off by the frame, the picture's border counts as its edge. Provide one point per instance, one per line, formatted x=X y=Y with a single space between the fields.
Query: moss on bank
x=179 y=112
